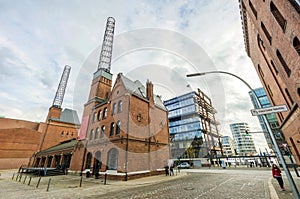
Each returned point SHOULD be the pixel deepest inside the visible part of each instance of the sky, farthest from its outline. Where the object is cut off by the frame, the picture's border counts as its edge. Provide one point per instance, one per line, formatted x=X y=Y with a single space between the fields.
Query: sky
x=159 y=40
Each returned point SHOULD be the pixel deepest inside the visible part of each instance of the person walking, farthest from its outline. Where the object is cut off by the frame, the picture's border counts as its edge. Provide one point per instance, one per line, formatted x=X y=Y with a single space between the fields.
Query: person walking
x=276 y=173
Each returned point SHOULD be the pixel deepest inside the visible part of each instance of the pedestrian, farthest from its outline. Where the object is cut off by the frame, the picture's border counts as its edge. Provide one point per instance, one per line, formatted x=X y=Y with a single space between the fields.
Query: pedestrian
x=172 y=170
x=276 y=172
x=167 y=169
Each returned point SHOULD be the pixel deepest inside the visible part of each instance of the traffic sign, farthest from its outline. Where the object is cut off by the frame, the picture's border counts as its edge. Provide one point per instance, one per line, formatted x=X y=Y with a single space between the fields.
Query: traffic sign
x=272 y=109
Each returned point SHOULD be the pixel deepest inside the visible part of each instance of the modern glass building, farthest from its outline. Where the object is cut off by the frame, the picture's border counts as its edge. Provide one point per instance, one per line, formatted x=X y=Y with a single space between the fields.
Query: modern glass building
x=228 y=146
x=271 y=118
x=192 y=126
x=243 y=142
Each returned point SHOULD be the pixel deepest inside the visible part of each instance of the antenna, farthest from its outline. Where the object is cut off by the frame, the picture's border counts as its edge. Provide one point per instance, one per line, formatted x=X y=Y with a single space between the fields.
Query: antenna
x=107 y=45
x=59 y=96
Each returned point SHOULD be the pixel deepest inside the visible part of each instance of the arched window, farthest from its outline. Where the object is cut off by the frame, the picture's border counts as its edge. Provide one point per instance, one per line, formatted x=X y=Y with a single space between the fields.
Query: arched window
x=283 y=63
x=91 y=134
x=114 y=107
x=94 y=116
x=97 y=163
x=99 y=115
x=104 y=113
x=88 y=161
x=97 y=133
x=112 y=129
x=118 y=128
x=296 y=44
x=102 y=132
x=120 y=106
x=278 y=16
x=112 y=159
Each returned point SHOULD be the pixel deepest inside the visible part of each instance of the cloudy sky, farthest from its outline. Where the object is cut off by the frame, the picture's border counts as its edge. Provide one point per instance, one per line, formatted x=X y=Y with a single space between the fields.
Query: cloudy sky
x=159 y=40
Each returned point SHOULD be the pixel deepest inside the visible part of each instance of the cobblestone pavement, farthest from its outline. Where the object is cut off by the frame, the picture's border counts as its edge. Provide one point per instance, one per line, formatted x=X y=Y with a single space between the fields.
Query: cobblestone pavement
x=200 y=185
x=193 y=183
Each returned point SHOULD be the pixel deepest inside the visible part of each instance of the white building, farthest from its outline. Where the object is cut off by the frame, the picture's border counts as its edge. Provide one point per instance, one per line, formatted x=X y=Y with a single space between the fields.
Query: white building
x=243 y=142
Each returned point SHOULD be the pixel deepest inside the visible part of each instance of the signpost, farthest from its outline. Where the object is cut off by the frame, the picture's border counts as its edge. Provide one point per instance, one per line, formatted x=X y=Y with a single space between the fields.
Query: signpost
x=272 y=109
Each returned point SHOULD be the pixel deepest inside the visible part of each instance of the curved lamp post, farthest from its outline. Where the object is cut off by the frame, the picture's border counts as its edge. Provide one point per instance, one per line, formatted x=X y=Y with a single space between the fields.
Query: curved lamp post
x=287 y=172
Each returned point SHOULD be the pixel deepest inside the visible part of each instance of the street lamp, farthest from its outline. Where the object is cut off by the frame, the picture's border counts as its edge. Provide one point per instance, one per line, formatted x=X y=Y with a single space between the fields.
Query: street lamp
x=287 y=172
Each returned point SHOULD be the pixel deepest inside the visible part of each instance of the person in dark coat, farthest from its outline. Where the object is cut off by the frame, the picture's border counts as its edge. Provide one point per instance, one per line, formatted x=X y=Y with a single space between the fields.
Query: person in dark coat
x=166 y=169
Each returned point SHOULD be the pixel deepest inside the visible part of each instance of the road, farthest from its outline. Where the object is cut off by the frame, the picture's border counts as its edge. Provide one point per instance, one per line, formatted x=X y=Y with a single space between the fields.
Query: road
x=199 y=184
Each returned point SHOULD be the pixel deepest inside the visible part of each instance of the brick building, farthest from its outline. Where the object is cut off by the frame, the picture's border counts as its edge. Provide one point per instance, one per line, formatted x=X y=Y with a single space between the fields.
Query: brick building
x=124 y=128
x=19 y=140
x=272 y=33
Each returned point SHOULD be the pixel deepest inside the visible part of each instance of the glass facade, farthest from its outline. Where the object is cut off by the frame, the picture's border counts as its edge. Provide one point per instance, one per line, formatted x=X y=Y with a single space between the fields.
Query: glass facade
x=189 y=128
x=271 y=118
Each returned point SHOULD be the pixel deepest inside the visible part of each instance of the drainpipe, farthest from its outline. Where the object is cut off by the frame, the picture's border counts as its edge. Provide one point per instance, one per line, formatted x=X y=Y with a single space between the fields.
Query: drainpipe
x=127 y=137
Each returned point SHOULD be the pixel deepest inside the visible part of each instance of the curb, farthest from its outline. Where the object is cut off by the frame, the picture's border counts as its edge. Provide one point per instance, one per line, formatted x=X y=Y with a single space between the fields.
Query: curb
x=273 y=194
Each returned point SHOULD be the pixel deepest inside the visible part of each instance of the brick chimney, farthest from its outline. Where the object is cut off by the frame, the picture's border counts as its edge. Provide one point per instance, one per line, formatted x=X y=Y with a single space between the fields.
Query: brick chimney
x=149 y=91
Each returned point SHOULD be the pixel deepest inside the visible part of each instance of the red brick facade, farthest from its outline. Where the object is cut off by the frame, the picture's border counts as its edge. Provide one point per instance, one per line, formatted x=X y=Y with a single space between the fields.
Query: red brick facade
x=272 y=34
x=127 y=129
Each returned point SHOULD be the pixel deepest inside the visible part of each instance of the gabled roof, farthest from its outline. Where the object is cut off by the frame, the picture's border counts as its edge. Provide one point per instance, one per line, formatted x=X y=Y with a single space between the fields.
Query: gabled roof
x=68 y=116
x=138 y=89
x=69 y=144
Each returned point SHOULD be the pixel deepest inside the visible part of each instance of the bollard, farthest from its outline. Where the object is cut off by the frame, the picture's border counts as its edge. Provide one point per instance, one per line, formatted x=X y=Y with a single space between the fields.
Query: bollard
x=105 y=176
x=37 y=185
x=13 y=176
x=24 y=179
x=29 y=181
x=48 y=184
x=20 y=178
x=17 y=177
x=80 y=181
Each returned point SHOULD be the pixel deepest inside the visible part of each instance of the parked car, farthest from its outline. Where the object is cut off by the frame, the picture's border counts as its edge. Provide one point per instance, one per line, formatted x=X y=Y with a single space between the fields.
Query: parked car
x=184 y=165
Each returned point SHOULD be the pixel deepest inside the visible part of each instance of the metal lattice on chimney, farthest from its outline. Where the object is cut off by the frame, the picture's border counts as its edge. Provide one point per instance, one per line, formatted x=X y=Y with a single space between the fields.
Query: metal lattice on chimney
x=59 y=96
x=107 y=45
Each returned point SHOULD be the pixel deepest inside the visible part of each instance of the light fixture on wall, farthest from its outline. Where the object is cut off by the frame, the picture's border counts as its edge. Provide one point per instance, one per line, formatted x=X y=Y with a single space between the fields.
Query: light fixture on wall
x=139 y=117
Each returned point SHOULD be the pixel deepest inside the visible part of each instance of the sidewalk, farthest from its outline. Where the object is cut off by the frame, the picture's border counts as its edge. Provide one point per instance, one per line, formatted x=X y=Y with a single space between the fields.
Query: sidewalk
x=288 y=193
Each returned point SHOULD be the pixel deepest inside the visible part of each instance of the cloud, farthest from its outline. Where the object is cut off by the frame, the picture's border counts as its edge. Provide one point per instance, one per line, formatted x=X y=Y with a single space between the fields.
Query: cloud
x=38 y=38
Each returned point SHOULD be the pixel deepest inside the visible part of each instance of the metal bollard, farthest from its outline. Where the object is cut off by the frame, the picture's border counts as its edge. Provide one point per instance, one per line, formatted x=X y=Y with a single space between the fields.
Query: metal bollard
x=24 y=179
x=29 y=181
x=37 y=185
x=20 y=178
x=80 y=181
x=13 y=176
x=48 y=184
x=17 y=176
x=105 y=176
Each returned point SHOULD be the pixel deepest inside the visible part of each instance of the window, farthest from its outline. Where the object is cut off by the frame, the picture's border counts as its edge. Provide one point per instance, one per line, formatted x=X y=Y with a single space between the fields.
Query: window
x=277 y=15
x=296 y=44
x=289 y=96
x=253 y=9
x=120 y=106
x=102 y=132
x=62 y=133
x=112 y=129
x=114 y=109
x=283 y=63
x=112 y=159
x=118 y=128
x=269 y=91
x=94 y=116
x=274 y=67
x=97 y=133
x=104 y=113
x=260 y=71
x=99 y=115
x=266 y=32
x=298 y=91
x=91 y=134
